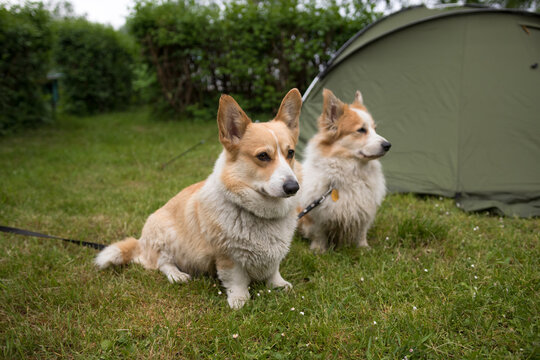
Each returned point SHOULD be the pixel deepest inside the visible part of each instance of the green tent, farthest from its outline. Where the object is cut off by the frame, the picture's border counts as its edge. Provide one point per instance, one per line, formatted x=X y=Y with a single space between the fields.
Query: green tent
x=456 y=90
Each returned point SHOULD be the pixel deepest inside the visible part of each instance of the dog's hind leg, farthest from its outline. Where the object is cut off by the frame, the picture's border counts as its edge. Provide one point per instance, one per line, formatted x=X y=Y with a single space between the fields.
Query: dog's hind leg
x=171 y=271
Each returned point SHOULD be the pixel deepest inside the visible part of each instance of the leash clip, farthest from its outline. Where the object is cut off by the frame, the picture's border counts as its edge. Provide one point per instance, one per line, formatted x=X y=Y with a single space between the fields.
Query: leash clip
x=316 y=203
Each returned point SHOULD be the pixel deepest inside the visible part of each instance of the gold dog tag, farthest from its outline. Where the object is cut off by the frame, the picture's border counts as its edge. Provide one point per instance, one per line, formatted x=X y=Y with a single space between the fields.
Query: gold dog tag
x=335 y=195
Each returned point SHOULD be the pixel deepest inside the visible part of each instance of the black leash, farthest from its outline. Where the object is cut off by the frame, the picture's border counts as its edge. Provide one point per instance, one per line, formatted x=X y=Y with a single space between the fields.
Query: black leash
x=12 y=230
x=314 y=204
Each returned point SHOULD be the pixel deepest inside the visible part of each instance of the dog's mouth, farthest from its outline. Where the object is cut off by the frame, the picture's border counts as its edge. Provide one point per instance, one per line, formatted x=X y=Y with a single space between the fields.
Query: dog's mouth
x=265 y=193
x=369 y=157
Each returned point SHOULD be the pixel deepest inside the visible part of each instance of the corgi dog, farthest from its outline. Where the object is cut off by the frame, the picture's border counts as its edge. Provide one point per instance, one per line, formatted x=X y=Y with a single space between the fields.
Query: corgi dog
x=238 y=224
x=342 y=156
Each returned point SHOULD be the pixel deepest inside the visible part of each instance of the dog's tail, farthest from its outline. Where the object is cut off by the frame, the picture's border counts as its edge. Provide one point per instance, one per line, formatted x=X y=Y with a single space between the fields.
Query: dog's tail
x=119 y=253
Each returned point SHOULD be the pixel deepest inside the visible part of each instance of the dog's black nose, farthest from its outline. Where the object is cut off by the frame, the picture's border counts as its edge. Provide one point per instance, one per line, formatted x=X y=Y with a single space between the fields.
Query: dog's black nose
x=291 y=187
x=386 y=145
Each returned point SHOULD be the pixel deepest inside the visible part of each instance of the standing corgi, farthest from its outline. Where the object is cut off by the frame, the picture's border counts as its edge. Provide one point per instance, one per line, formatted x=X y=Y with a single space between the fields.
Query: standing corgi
x=240 y=221
x=342 y=156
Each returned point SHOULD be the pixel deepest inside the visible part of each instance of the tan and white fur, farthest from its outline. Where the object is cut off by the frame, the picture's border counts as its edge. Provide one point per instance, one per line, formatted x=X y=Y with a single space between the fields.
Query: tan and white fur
x=240 y=221
x=343 y=156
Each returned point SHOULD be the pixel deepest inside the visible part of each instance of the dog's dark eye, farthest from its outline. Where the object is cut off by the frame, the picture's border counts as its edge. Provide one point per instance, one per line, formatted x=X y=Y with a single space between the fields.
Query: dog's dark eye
x=362 y=130
x=263 y=156
x=290 y=154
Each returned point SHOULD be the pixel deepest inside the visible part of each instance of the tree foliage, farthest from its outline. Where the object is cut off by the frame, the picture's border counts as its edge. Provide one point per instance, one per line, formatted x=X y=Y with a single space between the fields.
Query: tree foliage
x=254 y=50
x=97 y=66
x=25 y=42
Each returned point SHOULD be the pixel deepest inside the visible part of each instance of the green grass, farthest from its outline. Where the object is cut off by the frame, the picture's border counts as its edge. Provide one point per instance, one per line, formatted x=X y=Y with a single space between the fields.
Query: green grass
x=437 y=282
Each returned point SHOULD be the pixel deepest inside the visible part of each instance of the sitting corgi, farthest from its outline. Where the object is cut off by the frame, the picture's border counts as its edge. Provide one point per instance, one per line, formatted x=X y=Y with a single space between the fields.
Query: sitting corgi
x=342 y=156
x=240 y=221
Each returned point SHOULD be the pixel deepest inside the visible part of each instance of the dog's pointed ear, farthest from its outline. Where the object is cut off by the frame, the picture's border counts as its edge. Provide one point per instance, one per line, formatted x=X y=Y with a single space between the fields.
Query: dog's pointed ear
x=333 y=108
x=232 y=122
x=358 y=99
x=289 y=111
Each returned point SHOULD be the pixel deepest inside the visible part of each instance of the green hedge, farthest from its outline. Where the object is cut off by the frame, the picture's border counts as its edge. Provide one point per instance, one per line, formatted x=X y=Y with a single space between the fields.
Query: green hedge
x=253 y=50
x=97 y=66
x=25 y=42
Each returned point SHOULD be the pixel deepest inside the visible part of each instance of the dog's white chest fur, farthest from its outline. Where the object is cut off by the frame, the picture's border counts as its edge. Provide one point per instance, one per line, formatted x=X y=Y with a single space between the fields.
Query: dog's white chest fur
x=253 y=229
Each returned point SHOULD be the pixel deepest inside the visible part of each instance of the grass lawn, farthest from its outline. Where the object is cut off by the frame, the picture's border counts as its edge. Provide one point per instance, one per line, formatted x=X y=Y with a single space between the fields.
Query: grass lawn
x=437 y=282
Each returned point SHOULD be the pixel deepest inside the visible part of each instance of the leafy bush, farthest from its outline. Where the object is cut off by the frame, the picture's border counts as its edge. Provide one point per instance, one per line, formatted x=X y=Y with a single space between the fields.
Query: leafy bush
x=25 y=39
x=253 y=50
x=97 y=63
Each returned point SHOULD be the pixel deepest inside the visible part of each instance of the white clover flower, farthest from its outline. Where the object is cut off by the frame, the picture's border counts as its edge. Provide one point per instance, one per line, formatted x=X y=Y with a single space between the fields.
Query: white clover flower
x=426 y=270
x=219 y=293
x=414 y=308
x=301 y=313
x=374 y=323
x=235 y=336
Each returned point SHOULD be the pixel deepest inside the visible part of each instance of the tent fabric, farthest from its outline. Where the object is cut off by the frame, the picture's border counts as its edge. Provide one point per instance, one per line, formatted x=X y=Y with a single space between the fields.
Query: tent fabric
x=457 y=93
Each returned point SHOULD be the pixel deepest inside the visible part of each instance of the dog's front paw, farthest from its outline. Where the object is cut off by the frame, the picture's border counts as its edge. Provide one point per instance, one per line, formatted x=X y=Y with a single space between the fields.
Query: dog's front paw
x=287 y=286
x=276 y=281
x=237 y=299
x=362 y=243
x=281 y=284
